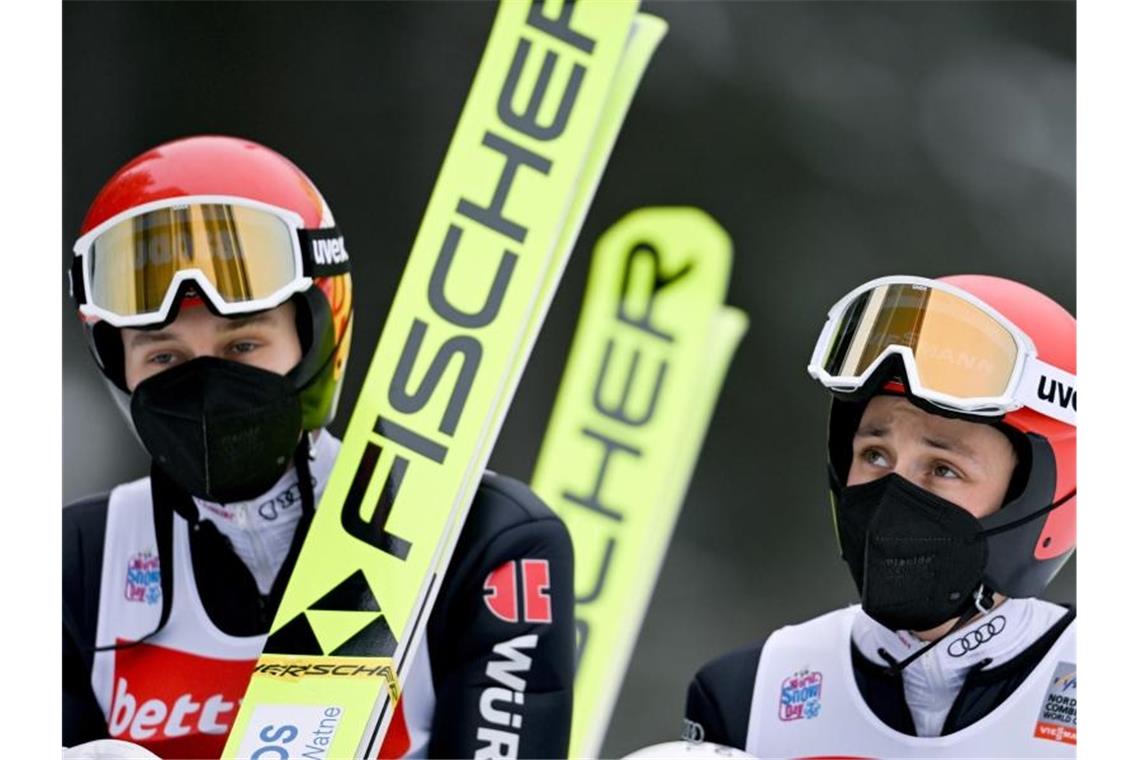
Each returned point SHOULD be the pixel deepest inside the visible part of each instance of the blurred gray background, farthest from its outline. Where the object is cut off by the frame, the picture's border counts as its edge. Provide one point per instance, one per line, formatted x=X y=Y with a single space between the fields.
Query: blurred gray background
x=834 y=141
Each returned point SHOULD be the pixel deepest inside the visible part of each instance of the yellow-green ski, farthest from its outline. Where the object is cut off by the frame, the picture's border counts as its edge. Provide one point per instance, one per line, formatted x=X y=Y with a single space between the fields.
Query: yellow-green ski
x=517 y=179
x=654 y=341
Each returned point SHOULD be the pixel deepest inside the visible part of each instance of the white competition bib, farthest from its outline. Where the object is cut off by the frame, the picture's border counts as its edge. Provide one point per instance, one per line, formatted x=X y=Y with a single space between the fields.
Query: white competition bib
x=178 y=693
x=806 y=704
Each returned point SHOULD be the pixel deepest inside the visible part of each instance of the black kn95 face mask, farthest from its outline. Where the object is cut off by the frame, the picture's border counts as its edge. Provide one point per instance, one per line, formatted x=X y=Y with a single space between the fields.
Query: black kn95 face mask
x=222 y=430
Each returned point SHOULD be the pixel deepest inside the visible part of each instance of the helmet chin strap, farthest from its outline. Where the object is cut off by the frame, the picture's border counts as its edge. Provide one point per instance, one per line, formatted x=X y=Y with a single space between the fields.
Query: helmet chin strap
x=983 y=603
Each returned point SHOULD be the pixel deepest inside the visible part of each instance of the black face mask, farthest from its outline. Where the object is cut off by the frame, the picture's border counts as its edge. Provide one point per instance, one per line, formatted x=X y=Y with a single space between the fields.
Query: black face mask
x=916 y=558
x=223 y=431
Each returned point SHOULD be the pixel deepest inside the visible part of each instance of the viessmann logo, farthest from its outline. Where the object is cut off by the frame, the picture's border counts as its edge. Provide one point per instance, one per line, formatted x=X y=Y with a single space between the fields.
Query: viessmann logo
x=1057 y=720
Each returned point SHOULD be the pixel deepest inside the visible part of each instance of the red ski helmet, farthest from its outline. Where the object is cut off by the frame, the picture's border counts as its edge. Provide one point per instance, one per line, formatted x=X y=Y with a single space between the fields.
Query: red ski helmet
x=233 y=182
x=1034 y=533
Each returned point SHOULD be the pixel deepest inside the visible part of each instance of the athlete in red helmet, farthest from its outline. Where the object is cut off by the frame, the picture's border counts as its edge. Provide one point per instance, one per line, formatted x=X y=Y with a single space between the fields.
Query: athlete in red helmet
x=952 y=472
x=214 y=288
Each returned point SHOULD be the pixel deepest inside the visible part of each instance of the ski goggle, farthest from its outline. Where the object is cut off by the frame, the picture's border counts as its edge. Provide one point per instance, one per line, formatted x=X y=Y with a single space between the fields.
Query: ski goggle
x=959 y=354
x=241 y=255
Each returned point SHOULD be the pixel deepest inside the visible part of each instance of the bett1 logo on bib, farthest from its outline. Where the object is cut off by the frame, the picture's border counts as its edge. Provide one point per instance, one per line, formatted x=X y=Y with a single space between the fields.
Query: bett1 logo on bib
x=283 y=732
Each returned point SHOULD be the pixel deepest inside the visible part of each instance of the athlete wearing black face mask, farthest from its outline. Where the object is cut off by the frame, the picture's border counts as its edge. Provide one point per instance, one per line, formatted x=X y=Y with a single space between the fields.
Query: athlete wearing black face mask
x=223 y=338
x=222 y=430
x=916 y=558
x=951 y=467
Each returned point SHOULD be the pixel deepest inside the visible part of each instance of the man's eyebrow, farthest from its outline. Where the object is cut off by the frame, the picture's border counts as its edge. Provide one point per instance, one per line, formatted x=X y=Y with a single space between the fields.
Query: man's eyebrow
x=949 y=444
x=231 y=325
x=872 y=430
x=143 y=337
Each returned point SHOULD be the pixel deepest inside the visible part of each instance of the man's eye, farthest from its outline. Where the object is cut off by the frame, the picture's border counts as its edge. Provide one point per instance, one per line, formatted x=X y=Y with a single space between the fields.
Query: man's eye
x=242 y=347
x=163 y=359
x=945 y=471
x=875 y=457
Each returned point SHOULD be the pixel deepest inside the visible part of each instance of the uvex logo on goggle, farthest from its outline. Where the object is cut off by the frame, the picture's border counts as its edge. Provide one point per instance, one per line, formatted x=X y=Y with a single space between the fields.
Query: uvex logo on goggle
x=1057 y=393
x=976 y=637
x=329 y=251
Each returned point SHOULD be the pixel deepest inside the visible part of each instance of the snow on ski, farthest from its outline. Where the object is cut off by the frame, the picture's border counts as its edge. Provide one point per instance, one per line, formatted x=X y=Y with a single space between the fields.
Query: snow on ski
x=653 y=344
x=538 y=126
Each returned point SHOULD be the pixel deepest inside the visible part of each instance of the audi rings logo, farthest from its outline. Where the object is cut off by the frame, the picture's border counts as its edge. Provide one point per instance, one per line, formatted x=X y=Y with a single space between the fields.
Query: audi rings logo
x=977 y=637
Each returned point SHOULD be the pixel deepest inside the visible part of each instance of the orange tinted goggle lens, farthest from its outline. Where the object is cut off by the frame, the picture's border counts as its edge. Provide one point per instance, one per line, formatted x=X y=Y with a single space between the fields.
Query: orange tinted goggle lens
x=247 y=254
x=959 y=349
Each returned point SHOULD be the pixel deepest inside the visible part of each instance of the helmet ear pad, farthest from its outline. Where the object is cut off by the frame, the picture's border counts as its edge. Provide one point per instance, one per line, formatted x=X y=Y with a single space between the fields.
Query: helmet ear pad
x=1023 y=451
x=841 y=425
x=314 y=374
x=106 y=344
x=1014 y=569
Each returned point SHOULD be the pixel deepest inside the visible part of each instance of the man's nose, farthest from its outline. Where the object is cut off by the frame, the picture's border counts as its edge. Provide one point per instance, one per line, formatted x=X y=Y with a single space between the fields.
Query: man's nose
x=197 y=352
x=910 y=471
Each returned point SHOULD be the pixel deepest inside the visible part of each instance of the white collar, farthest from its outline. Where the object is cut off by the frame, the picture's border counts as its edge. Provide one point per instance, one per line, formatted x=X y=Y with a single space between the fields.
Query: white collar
x=261 y=529
x=932 y=681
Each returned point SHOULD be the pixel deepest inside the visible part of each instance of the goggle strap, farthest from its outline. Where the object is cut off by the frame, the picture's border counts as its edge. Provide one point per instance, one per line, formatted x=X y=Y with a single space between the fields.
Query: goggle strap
x=322 y=252
x=76 y=272
x=1049 y=390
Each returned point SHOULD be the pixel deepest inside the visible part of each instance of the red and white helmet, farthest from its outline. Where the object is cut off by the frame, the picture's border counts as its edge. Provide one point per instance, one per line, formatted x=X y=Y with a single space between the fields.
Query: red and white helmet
x=980 y=348
x=228 y=221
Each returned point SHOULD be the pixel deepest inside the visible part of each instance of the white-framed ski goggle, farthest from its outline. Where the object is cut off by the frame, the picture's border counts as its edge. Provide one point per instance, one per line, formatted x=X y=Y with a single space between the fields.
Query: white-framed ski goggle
x=240 y=254
x=959 y=354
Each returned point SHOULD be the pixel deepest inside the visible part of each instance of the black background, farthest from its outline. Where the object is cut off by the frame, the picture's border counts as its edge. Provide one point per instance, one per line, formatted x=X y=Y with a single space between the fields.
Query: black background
x=834 y=141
